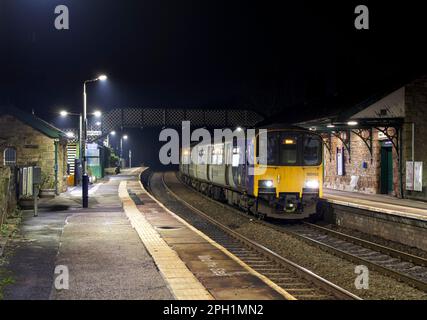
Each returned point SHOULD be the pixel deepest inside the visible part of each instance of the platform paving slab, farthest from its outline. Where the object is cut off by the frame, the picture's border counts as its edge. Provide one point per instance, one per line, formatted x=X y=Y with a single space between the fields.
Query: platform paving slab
x=104 y=255
x=32 y=254
x=223 y=277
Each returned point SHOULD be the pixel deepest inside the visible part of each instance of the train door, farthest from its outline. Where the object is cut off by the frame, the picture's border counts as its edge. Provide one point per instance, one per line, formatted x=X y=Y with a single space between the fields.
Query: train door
x=227 y=156
x=386 y=169
x=208 y=164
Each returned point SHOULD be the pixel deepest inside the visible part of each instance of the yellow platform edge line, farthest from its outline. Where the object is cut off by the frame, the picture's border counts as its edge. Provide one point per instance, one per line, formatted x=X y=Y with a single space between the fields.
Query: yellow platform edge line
x=266 y=280
x=182 y=283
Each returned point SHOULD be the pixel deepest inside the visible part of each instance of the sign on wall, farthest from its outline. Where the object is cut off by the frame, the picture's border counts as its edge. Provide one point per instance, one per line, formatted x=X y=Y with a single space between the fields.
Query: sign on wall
x=414 y=176
x=340 y=162
x=418 y=176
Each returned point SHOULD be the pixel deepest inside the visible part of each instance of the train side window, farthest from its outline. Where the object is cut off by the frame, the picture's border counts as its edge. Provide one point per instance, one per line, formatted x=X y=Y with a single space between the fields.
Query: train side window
x=236 y=157
x=267 y=154
x=201 y=156
x=214 y=156
x=220 y=154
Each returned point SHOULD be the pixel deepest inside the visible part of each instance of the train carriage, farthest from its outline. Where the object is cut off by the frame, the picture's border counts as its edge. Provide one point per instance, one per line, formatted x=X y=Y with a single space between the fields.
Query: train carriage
x=286 y=185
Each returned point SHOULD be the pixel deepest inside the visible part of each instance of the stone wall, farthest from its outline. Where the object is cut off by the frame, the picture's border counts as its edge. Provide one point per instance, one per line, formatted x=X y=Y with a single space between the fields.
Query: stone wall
x=416 y=113
x=33 y=148
x=411 y=232
x=7 y=193
x=368 y=178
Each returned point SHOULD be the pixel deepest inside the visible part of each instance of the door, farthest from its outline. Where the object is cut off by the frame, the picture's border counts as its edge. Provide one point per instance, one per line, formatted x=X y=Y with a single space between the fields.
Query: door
x=386 y=170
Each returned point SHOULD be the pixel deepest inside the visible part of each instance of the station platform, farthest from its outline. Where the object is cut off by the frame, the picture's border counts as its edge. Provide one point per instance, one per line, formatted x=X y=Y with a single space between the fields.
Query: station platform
x=192 y=264
x=378 y=203
x=400 y=220
x=71 y=253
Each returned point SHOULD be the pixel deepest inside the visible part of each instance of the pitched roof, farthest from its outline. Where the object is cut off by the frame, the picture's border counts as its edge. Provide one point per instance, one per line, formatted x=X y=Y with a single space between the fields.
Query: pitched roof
x=339 y=107
x=34 y=122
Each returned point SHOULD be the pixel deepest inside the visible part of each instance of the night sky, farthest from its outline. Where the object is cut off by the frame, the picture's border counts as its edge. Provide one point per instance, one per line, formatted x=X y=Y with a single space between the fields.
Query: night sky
x=262 y=55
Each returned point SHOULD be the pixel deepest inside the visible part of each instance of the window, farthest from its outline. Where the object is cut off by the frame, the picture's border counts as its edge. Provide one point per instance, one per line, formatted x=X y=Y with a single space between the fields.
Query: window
x=288 y=150
x=217 y=154
x=293 y=149
x=272 y=148
x=9 y=157
x=312 y=151
x=236 y=157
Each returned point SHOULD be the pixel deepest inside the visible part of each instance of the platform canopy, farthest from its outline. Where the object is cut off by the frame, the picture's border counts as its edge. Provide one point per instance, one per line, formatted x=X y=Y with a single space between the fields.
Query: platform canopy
x=384 y=113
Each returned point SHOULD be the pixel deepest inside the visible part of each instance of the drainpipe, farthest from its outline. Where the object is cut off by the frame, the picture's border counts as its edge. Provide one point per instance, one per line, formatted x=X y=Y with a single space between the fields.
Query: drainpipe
x=56 y=167
x=402 y=195
x=413 y=141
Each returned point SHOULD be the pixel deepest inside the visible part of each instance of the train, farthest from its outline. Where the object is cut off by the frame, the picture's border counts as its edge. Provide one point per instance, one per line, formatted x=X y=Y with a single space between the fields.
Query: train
x=286 y=185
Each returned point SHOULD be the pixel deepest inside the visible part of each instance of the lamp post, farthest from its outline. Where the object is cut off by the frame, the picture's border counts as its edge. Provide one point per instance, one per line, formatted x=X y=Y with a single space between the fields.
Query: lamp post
x=85 y=177
x=125 y=137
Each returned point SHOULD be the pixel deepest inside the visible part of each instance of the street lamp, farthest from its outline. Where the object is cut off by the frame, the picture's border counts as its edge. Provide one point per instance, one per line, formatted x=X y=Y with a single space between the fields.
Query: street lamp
x=85 y=179
x=97 y=114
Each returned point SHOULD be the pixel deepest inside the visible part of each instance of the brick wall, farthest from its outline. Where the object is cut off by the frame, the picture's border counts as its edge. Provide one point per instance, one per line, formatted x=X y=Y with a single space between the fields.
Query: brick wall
x=33 y=148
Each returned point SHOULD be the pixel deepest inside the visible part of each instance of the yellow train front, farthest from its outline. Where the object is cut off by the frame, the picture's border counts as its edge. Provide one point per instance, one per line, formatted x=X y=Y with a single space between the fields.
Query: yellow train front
x=287 y=185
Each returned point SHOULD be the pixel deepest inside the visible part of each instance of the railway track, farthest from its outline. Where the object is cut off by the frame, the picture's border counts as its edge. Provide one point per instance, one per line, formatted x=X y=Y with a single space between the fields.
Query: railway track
x=397 y=264
x=393 y=263
x=296 y=280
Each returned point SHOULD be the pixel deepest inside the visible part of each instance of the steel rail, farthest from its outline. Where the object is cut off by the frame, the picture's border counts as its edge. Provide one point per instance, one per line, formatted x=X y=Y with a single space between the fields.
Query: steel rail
x=308 y=275
x=419 y=284
x=371 y=245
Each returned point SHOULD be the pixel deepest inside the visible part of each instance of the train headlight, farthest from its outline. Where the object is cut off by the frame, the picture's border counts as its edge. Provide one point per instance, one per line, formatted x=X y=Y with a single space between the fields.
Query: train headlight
x=312 y=184
x=266 y=183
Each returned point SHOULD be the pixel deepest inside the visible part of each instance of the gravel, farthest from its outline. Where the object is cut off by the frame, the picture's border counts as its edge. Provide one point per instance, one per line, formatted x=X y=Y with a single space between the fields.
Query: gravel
x=328 y=266
x=378 y=240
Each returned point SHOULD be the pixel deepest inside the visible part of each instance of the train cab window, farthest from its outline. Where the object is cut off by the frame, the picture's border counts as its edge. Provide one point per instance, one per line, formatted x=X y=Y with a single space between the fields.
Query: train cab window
x=288 y=150
x=272 y=148
x=312 y=150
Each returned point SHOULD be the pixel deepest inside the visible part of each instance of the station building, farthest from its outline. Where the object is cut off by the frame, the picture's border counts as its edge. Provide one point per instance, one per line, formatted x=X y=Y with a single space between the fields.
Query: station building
x=379 y=145
x=26 y=140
